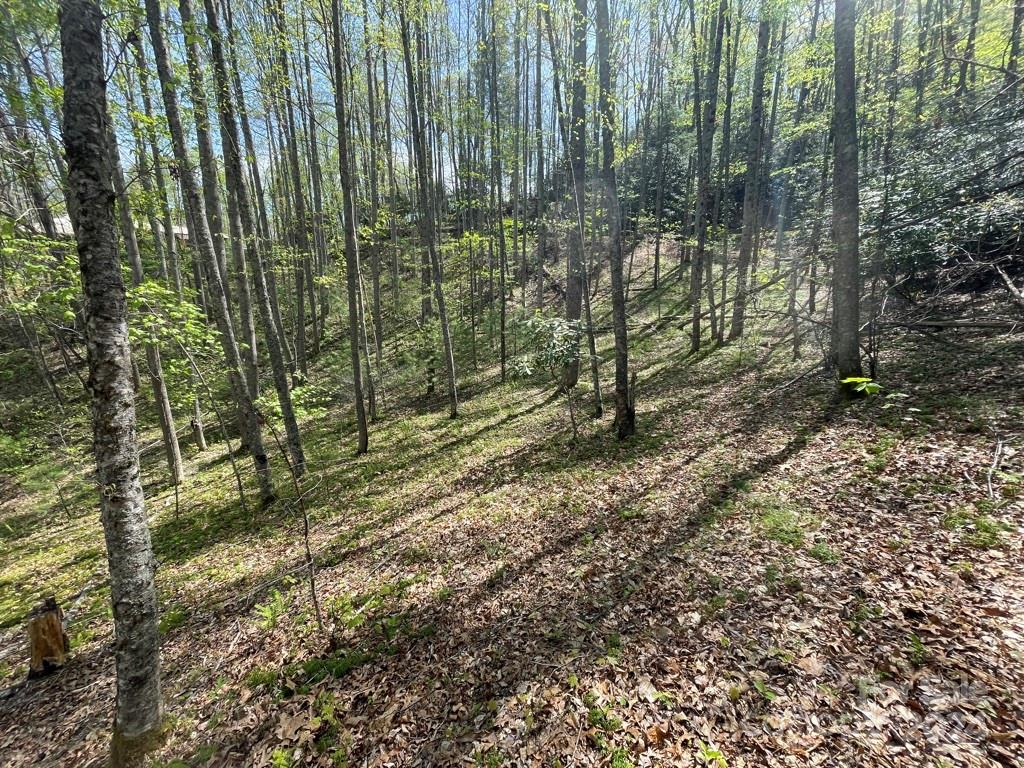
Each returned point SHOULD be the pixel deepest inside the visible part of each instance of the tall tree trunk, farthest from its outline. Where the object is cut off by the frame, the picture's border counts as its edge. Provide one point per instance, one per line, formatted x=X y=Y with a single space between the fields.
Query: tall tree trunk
x=316 y=175
x=165 y=416
x=706 y=107
x=517 y=38
x=17 y=135
x=497 y=187
x=158 y=169
x=374 y=141
x=764 y=180
x=245 y=231
x=196 y=422
x=924 y=25
x=350 y=225
x=793 y=149
x=426 y=212
x=300 y=222
x=967 y=63
x=38 y=109
x=751 y=189
x=625 y=415
x=574 y=139
x=257 y=190
x=144 y=172
x=215 y=214
x=659 y=194
x=732 y=55
x=817 y=226
x=311 y=257
x=243 y=119
x=204 y=139
x=1011 y=80
x=138 y=707
x=389 y=157
x=845 y=351
x=199 y=234
x=538 y=128
x=250 y=352
x=878 y=256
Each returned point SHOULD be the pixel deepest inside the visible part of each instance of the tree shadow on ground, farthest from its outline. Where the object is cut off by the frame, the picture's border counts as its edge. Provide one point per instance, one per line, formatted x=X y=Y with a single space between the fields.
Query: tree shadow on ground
x=562 y=616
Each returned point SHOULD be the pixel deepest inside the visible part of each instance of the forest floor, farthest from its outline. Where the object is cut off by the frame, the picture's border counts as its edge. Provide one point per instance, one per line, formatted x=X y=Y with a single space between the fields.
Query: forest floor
x=761 y=577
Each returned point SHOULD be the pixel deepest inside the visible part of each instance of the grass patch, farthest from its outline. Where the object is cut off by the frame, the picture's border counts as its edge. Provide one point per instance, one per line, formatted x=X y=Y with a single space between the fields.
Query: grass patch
x=496 y=577
x=336 y=666
x=416 y=554
x=172 y=618
x=862 y=613
x=762 y=688
x=781 y=521
x=262 y=677
x=823 y=553
x=620 y=758
x=979 y=530
x=714 y=606
x=491 y=758
x=629 y=512
x=916 y=651
x=603 y=719
x=879 y=453
x=711 y=756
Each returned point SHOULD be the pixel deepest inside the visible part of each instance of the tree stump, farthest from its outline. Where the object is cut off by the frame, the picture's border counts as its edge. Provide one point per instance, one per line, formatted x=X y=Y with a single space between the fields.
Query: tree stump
x=47 y=641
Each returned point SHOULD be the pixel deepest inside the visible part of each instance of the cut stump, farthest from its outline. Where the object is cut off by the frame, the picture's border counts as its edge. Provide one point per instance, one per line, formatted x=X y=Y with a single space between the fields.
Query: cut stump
x=47 y=641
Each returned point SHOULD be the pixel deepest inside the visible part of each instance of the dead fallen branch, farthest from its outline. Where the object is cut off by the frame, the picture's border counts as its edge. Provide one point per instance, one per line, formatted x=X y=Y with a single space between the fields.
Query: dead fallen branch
x=1002 y=325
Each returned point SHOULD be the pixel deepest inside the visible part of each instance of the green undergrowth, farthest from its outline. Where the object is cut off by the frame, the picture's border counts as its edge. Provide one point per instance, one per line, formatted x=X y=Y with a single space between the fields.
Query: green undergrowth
x=509 y=458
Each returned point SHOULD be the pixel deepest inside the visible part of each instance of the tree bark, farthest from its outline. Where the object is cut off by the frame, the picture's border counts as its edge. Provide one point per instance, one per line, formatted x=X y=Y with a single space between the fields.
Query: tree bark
x=165 y=415
x=426 y=212
x=240 y=211
x=845 y=352
x=350 y=224
x=751 y=190
x=199 y=234
x=47 y=640
x=625 y=414
x=138 y=708
x=706 y=107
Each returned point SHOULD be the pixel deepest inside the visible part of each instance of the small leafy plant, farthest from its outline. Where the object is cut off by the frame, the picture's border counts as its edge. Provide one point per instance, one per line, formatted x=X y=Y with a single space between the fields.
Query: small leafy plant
x=765 y=691
x=862 y=384
x=271 y=611
x=918 y=653
x=711 y=755
x=601 y=717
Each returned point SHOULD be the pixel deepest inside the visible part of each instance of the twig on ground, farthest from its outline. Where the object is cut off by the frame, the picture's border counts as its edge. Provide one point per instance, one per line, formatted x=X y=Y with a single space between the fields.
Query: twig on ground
x=238 y=634
x=793 y=381
x=997 y=459
x=1015 y=292
x=310 y=562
